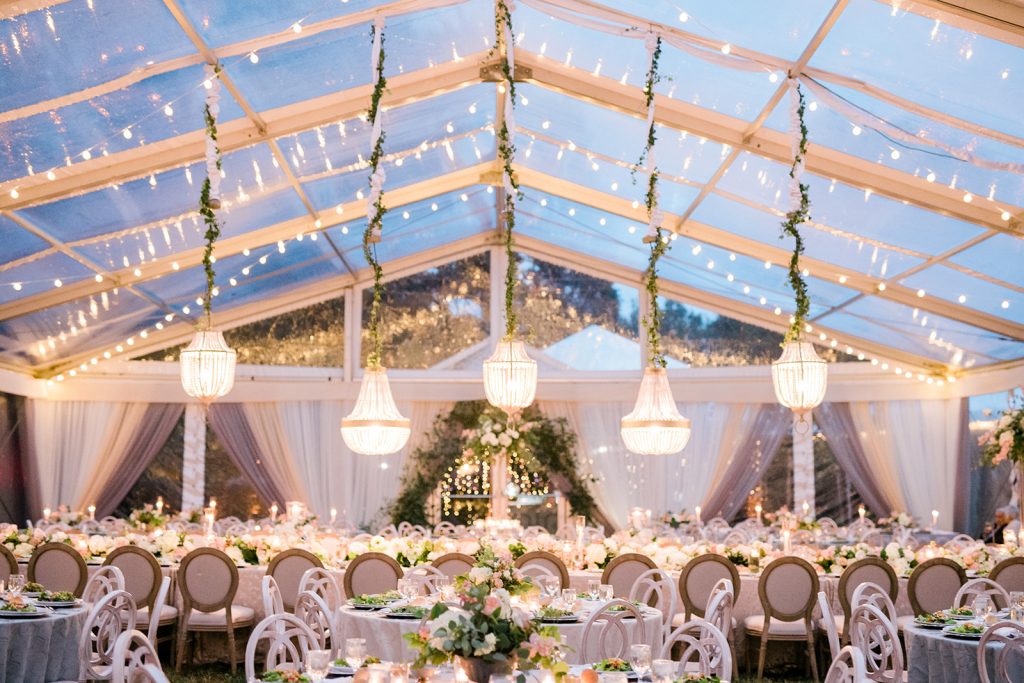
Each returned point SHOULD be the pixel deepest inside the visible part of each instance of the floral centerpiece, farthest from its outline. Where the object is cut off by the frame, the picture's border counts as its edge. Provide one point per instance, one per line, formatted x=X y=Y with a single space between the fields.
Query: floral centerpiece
x=1005 y=441
x=675 y=520
x=494 y=571
x=147 y=518
x=898 y=520
x=485 y=634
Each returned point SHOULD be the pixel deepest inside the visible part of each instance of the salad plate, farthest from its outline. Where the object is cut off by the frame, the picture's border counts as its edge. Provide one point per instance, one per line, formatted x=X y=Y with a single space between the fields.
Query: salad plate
x=615 y=665
x=935 y=620
x=965 y=631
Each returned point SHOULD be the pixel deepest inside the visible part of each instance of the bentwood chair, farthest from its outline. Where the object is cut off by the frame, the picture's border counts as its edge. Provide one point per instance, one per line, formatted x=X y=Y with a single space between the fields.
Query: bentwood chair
x=700 y=648
x=610 y=630
x=699 y=576
x=103 y=581
x=322 y=583
x=848 y=667
x=283 y=639
x=135 y=660
x=719 y=613
x=933 y=586
x=1008 y=658
x=454 y=564
x=314 y=613
x=8 y=563
x=655 y=588
x=208 y=581
x=866 y=570
x=372 y=573
x=975 y=587
x=828 y=625
x=113 y=615
x=143 y=578
x=287 y=568
x=271 y=594
x=1009 y=574
x=872 y=594
x=549 y=562
x=876 y=638
x=788 y=589
x=58 y=567
x=623 y=571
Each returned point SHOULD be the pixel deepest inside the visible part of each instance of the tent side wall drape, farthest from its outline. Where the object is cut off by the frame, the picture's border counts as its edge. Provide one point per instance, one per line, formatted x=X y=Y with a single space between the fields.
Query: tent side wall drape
x=836 y=422
x=12 y=473
x=231 y=425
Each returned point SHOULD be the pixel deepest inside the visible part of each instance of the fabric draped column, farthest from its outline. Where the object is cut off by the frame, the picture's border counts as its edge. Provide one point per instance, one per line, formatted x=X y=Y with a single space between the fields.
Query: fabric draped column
x=230 y=422
x=836 y=421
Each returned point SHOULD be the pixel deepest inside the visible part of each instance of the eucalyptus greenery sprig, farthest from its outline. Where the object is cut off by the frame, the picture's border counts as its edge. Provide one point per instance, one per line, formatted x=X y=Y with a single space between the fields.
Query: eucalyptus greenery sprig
x=791 y=227
x=376 y=219
x=507 y=152
x=208 y=204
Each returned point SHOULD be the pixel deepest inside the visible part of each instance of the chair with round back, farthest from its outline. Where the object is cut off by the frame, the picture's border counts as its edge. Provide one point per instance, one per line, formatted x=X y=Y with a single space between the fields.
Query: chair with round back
x=608 y=633
x=160 y=607
x=135 y=659
x=372 y=573
x=287 y=640
x=1009 y=574
x=142 y=578
x=287 y=568
x=865 y=570
x=655 y=588
x=314 y=613
x=104 y=580
x=828 y=625
x=623 y=571
x=58 y=567
x=8 y=564
x=444 y=529
x=271 y=594
x=876 y=638
x=848 y=667
x=107 y=619
x=933 y=586
x=975 y=587
x=873 y=594
x=454 y=564
x=426 y=576
x=699 y=576
x=701 y=648
x=737 y=536
x=208 y=581
x=719 y=613
x=548 y=561
x=322 y=582
x=1009 y=659
x=959 y=542
x=788 y=589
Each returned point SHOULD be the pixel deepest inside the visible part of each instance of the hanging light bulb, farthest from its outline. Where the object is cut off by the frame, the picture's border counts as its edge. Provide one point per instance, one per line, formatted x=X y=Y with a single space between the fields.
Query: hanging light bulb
x=800 y=376
x=510 y=375
x=375 y=427
x=654 y=427
x=207 y=364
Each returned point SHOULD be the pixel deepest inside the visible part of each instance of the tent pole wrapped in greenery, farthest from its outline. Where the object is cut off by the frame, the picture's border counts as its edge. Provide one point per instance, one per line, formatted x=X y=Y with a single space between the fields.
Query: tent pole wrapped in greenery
x=551 y=443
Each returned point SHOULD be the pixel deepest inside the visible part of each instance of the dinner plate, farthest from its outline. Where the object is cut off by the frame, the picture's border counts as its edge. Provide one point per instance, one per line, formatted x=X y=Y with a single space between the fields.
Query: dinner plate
x=58 y=603
x=961 y=636
x=366 y=608
x=340 y=670
x=570 y=619
x=630 y=675
x=931 y=625
x=401 y=615
x=25 y=615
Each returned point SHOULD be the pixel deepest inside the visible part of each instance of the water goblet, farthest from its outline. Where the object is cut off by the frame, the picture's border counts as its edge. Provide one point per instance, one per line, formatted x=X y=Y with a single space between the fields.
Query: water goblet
x=607 y=592
x=15 y=584
x=640 y=659
x=1017 y=606
x=982 y=607
x=568 y=599
x=443 y=586
x=355 y=652
x=318 y=663
x=663 y=671
x=408 y=588
x=551 y=585
x=594 y=588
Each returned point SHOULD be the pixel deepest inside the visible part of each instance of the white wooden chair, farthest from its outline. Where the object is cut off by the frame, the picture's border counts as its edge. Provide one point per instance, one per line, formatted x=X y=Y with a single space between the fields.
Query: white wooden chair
x=273 y=603
x=286 y=641
x=104 y=581
x=718 y=613
x=655 y=588
x=702 y=649
x=975 y=587
x=1011 y=635
x=311 y=609
x=848 y=667
x=872 y=594
x=828 y=625
x=322 y=582
x=876 y=638
x=135 y=660
x=111 y=616
x=610 y=630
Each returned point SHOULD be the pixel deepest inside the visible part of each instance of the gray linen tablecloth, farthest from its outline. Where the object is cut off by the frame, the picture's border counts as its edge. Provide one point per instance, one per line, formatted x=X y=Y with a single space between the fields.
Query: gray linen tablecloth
x=935 y=658
x=41 y=650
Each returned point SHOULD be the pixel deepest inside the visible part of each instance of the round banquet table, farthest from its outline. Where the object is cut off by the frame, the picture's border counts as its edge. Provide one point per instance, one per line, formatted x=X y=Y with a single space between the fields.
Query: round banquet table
x=42 y=649
x=384 y=635
x=935 y=658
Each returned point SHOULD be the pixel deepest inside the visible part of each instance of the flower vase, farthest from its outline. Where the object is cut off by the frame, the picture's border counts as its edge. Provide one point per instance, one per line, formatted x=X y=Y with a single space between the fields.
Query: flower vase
x=480 y=670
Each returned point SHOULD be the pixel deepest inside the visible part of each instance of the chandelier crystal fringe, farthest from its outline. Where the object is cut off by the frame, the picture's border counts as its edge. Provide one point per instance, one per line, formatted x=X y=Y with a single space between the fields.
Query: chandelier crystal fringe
x=207 y=363
x=800 y=376
x=654 y=427
x=510 y=375
x=375 y=426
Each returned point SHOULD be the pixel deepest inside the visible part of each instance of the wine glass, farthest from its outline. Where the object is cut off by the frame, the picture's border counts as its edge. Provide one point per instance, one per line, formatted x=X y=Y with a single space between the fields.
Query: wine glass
x=551 y=585
x=594 y=588
x=408 y=588
x=15 y=584
x=607 y=592
x=569 y=598
x=663 y=671
x=1016 y=606
x=318 y=663
x=982 y=607
x=640 y=659
x=355 y=652
x=443 y=586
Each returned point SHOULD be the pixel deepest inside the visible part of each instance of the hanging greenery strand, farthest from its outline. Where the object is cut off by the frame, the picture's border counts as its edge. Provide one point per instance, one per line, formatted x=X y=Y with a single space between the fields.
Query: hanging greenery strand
x=209 y=197
x=655 y=235
x=799 y=212
x=375 y=202
x=506 y=150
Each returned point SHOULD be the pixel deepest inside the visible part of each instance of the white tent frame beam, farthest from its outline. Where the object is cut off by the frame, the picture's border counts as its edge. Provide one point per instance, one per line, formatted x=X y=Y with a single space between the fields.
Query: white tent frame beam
x=998 y=19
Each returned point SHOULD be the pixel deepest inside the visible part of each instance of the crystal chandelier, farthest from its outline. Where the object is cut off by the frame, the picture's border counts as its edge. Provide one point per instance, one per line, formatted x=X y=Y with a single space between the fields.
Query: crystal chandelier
x=375 y=427
x=654 y=427
x=207 y=363
x=800 y=376
x=510 y=375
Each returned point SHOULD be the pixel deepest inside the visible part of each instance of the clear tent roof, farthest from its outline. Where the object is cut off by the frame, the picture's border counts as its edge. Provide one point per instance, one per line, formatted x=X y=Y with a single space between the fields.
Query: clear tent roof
x=914 y=248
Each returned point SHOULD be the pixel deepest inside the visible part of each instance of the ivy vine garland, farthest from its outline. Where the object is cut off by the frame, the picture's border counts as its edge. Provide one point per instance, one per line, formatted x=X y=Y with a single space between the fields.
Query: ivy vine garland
x=209 y=199
x=377 y=209
x=800 y=213
x=552 y=447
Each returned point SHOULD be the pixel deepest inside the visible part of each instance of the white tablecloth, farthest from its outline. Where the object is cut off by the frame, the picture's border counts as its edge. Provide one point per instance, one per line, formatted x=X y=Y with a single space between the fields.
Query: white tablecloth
x=41 y=650
x=935 y=658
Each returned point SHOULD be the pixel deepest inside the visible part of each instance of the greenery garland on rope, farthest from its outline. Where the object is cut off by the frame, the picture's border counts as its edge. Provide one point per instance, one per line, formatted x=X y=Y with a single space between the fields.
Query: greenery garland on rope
x=378 y=209
x=208 y=201
x=800 y=213
x=552 y=448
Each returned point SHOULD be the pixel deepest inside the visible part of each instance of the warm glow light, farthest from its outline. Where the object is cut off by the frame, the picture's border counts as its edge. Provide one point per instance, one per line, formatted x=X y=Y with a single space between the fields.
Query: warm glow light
x=800 y=377
x=655 y=427
x=375 y=427
x=207 y=366
x=510 y=376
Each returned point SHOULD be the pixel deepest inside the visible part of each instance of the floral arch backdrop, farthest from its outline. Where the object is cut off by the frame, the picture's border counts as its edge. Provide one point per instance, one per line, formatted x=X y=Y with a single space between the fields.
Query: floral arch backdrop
x=542 y=450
